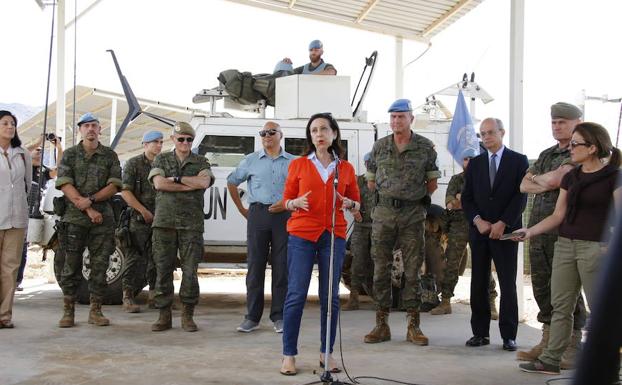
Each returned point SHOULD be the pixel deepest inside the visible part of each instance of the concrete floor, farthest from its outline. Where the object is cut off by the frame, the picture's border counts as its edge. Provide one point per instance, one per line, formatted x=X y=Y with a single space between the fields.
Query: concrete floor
x=38 y=352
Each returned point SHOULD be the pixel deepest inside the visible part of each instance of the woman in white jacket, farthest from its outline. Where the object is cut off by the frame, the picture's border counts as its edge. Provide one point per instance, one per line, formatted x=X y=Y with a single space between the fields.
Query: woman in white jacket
x=15 y=178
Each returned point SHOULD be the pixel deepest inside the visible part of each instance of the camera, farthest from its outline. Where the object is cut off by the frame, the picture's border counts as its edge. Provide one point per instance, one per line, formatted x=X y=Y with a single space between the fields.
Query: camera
x=51 y=137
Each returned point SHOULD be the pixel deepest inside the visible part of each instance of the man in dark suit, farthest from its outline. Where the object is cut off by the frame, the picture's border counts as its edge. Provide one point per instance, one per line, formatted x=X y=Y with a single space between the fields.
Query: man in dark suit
x=493 y=204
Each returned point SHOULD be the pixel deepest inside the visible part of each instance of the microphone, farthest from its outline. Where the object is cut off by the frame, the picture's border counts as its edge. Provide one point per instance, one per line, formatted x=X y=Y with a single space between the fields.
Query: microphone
x=336 y=179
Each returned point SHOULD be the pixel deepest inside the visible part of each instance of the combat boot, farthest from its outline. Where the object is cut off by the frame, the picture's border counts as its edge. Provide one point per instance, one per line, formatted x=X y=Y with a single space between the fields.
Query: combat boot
x=494 y=314
x=534 y=353
x=165 y=321
x=151 y=299
x=69 y=309
x=95 y=314
x=353 y=301
x=443 y=308
x=413 y=332
x=381 y=331
x=569 y=357
x=128 y=302
x=187 y=323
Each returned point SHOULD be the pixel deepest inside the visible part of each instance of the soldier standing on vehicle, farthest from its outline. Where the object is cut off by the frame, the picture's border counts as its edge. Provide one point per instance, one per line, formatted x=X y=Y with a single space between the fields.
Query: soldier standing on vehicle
x=316 y=66
x=403 y=169
x=180 y=178
x=362 y=269
x=140 y=197
x=89 y=175
x=264 y=172
x=543 y=179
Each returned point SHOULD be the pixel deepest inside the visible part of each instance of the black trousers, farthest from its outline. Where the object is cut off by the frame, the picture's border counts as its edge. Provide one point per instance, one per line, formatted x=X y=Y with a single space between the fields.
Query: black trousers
x=266 y=236
x=504 y=254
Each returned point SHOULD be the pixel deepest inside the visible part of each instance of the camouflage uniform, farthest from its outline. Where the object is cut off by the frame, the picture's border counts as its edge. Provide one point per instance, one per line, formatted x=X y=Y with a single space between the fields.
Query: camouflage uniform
x=139 y=257
x=88 y=174
x=362 y=264
x=399 y=216
x=541 y=246
x=178 y=226
x=457 y=236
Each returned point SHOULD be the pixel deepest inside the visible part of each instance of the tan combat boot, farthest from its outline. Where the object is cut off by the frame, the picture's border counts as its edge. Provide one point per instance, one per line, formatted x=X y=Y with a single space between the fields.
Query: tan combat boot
x=128 y=302
x=381 y=331
x=569 y=357
x=443 y=308
x=151 y=299
x=494 y=314
x=534 y=353
x=69 y=308
x=187 y=323
x=353 y=301
x=95 y=314
x=164 y=322
x=413 y=332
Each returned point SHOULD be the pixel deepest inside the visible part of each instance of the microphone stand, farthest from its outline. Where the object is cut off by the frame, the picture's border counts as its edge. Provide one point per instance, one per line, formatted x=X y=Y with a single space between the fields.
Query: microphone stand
x=326 y=376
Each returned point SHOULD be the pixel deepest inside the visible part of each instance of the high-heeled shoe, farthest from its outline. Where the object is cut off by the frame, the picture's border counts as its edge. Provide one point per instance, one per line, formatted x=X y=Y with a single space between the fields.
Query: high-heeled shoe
x=288 y=370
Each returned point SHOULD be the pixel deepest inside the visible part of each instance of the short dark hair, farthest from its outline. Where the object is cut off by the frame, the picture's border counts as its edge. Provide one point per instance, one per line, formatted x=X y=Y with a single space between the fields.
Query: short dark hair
x=15 y=141
x=336 y=145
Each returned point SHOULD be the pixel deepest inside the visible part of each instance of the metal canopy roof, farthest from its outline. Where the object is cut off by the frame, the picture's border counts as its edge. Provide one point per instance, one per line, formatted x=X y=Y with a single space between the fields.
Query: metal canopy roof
x=410 y=19
x=101 y=103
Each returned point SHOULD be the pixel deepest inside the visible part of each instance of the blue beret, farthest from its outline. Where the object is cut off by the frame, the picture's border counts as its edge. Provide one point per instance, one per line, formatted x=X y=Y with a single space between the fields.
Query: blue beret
x=282 y=66
x=150 y=136
x=315 y=44
x=469 y=153
x=367 y=157
x=401 y=105
x=86 y=118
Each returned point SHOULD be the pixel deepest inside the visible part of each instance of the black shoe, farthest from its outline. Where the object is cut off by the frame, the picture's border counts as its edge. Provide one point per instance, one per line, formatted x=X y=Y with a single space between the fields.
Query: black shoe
x=478 y=341
x=509 y=345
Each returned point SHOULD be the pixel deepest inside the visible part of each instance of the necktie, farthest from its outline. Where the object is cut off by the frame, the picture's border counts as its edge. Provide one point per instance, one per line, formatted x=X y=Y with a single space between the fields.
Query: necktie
x=492 y=169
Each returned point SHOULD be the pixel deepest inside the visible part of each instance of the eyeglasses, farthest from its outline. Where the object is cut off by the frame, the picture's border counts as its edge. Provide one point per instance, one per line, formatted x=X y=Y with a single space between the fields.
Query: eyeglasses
x=574 y=143
x=189 y=140
x=271 y=132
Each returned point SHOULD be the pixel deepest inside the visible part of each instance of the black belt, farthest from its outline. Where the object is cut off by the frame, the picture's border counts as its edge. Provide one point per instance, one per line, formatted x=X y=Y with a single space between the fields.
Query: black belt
x=260 y=204
x=397 y=203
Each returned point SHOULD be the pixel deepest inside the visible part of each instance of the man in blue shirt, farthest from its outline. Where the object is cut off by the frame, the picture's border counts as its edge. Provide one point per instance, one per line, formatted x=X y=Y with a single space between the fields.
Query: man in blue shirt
x=265 y=172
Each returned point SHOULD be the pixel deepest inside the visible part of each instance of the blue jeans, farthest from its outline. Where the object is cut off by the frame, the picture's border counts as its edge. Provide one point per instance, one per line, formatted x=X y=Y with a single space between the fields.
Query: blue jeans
x=301 y=255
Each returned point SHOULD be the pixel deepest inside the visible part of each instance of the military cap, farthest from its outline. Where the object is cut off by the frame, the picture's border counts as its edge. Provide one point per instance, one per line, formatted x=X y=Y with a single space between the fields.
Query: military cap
x=563 y=110
x=469 y=153
x=401 y=105
x=183 y=128
x=315 y=44
x=87 y=118
x=152 y=135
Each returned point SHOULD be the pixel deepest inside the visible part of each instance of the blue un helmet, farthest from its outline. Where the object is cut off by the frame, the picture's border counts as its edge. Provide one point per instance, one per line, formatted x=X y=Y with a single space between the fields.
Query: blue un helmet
x=470 y=153
x=282 y=66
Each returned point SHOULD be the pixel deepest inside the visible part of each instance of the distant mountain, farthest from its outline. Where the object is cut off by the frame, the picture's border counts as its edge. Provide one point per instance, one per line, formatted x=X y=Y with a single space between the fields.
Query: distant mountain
x=22 y=111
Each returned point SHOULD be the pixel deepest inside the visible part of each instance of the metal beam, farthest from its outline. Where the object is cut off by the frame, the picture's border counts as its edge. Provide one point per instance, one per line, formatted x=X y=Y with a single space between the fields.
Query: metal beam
x=86 y=10
x=366 y=11
x=60 y=71
x=461 y=4
x=399 y=68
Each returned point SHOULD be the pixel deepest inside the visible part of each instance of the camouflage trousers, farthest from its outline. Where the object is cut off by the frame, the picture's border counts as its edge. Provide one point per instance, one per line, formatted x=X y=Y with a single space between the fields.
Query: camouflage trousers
x=362 y=264
x=457 y=238
x=166 y=243
x=541 y=250
x=99 y=240
x=391 y=227
x=139 y=265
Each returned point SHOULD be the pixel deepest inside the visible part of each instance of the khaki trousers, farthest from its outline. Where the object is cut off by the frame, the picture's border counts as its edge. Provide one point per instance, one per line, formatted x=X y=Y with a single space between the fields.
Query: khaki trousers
x=575 y=263
x=11 y=245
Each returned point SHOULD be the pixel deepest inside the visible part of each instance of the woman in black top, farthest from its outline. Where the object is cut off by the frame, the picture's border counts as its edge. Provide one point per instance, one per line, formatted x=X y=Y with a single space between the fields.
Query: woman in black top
x=581 y=216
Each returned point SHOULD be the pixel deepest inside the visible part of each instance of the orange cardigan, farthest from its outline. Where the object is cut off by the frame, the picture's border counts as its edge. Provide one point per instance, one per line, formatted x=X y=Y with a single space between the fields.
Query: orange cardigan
x=302 y=177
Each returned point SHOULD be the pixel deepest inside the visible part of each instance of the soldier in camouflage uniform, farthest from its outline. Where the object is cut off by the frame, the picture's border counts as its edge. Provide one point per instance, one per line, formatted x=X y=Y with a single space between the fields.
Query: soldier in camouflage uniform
x=140 y=196
x=362 y=264
x=180 y=178
x=89 y=175
x=403 y=170
x=543 y=180
x=457 y=230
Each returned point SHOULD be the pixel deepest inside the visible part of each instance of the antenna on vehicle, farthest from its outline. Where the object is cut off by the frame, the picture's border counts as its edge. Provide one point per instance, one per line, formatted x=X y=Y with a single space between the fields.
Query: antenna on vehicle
x=369 y=62
x=134 y=109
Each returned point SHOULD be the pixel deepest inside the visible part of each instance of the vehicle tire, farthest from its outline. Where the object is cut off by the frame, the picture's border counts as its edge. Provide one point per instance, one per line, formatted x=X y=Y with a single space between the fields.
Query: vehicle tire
x=114 y=292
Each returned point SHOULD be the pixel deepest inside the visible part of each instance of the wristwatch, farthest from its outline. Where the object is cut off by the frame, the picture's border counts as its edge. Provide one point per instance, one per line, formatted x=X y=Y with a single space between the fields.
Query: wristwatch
x=177 y=179
x=92 y=198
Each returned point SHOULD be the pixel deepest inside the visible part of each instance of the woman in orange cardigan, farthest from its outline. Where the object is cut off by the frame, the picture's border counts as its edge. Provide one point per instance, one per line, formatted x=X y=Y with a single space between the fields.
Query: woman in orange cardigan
x=309 y=194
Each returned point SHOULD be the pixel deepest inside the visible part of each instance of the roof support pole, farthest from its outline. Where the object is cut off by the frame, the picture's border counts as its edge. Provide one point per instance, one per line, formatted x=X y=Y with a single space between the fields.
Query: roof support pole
x=60 y=71
x=399 y=67
x=517 y=38
x=113 y=119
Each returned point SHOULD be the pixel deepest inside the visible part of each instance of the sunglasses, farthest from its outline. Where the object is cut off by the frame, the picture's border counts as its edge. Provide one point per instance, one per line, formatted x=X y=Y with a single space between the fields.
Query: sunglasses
x=574 y=143
x=267 y=132
x=189 y=140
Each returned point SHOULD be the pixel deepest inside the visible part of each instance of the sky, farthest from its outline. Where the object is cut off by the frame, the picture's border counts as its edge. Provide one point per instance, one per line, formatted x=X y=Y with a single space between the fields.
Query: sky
x=170 y=50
